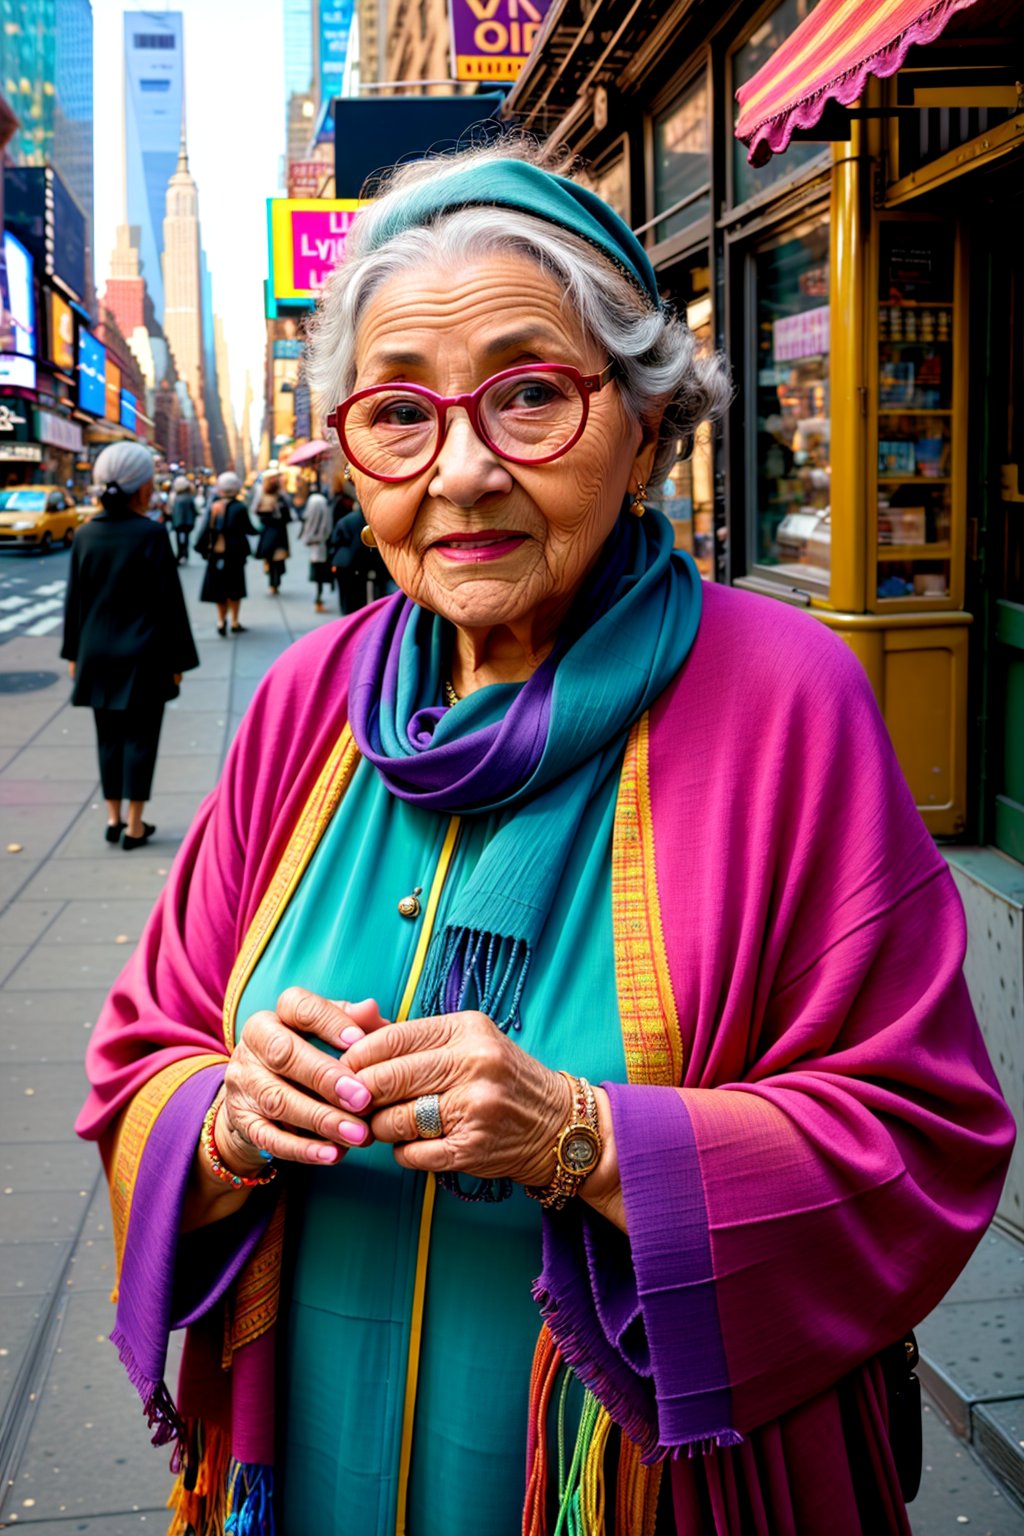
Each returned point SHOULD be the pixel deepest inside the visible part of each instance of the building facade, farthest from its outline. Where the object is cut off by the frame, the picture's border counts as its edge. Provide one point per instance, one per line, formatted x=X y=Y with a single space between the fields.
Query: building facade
x=153 y=112
x=183 y=288
x=869 y=470
x=46 y=51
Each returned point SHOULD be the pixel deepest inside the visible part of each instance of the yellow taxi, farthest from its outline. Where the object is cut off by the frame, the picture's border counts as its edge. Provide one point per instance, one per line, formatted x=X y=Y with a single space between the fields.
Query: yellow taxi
x=39 y=517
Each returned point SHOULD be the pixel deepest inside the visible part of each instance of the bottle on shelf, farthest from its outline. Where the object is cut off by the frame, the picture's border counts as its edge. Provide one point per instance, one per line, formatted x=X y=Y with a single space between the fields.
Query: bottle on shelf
x=896 y=323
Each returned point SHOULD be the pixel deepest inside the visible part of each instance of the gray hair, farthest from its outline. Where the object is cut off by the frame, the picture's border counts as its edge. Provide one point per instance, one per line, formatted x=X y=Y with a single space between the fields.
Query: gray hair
x=659 y=366
x=124 y=467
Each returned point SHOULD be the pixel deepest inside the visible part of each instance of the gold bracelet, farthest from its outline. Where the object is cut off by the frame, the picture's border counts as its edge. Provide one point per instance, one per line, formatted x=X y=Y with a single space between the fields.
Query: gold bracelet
x=208 y=1142
x=577 y=1150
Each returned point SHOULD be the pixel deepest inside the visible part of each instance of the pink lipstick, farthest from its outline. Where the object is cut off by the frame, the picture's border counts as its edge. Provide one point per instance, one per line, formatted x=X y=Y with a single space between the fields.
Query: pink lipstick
x=478 y=547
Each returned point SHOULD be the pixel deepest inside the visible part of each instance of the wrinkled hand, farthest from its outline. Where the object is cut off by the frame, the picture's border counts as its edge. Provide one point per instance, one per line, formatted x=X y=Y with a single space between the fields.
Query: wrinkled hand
x=281 y=1091
x=500 y=1108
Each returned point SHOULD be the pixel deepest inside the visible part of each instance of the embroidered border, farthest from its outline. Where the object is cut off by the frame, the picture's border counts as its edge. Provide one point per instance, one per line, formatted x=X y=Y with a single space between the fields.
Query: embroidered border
x=647 y=1006
x=137 y=1122
x=317 y=812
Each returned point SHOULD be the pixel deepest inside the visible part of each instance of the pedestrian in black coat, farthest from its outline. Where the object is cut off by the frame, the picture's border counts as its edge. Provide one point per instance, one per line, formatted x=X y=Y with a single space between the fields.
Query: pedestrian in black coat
x=224 y=545
x=273 y=548
x=183 y=516
x=126 y=634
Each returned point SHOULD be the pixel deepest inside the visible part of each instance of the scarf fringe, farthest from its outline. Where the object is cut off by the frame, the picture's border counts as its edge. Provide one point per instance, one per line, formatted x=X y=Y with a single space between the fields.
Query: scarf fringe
x=582 y=1494
x=162 y=1416
x=219 y=1496
x=470 y=968
x=199 y=1498
x=250 y=1500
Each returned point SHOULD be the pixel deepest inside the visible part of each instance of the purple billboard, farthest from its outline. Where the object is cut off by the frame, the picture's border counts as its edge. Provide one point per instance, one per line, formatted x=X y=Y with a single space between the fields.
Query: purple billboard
x=492 y=39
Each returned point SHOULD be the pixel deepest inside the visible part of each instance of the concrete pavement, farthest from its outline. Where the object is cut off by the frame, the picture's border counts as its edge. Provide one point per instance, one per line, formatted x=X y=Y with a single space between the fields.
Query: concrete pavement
x=74 y=1450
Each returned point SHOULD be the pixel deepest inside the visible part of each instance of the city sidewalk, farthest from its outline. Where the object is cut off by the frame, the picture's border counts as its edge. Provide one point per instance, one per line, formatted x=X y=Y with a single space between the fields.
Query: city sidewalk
x=74 y=1449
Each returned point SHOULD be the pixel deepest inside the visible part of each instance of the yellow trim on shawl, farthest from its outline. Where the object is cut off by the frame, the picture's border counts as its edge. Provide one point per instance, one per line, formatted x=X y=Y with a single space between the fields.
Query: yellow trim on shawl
x=133 y=1132
x=419 y=1287
x=653 y=1047
x=647 y=1006
x=317 y=812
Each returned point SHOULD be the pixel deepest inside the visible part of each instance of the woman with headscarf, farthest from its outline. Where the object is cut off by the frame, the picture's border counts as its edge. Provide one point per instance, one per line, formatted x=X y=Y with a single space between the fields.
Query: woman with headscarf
x=663 y=1114
x=224 y=544
x=316 y=530
x=127 y=638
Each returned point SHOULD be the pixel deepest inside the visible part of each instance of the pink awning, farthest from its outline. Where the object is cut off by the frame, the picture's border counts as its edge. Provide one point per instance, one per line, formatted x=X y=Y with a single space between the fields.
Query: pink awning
x=314 y=449
x=830 y=56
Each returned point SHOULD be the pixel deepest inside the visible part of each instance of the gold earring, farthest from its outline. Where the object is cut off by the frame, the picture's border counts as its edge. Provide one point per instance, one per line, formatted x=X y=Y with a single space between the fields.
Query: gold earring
x=638 y=506
x=348 y=473
x=367 y=538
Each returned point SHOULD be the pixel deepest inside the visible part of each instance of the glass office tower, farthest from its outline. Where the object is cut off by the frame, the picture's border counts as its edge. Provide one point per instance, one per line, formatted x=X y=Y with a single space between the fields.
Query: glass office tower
x=154 y=71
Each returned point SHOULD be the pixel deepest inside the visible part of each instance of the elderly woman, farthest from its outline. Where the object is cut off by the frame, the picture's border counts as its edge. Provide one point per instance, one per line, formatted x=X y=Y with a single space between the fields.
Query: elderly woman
x=127 y=638
x=663 y=1113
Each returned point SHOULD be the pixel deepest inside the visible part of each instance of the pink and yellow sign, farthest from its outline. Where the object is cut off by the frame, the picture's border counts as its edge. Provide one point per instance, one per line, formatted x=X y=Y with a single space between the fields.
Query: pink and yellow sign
x=492 y=39
x=307 y=240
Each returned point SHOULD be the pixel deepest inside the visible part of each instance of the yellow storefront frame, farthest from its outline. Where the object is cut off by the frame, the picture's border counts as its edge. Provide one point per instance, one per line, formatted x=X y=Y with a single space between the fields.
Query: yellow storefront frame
x=915 y=655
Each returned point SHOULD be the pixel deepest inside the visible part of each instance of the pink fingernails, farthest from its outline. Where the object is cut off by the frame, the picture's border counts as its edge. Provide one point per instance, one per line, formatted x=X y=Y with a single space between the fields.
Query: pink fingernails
x=353 y=1094
x=350 y=1035
x=356 y=1134
x=327 y=1154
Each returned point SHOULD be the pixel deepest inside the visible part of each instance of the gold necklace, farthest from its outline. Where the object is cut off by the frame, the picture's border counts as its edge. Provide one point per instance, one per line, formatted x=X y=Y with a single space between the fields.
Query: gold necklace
x=451 y=698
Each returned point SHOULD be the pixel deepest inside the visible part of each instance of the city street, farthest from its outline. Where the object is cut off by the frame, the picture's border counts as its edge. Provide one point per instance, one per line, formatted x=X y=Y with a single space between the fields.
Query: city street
x=74 y=1451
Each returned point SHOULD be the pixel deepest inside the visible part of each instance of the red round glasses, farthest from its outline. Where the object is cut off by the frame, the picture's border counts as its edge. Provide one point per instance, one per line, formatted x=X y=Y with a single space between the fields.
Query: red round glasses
x=527 y=415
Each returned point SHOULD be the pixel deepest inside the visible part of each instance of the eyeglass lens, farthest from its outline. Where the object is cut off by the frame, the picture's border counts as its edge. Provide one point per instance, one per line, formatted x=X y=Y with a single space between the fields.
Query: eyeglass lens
x=394 y=432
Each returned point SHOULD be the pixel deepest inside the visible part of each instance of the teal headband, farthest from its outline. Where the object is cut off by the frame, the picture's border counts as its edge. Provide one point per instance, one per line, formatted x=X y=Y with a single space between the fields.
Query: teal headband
x=514 y=184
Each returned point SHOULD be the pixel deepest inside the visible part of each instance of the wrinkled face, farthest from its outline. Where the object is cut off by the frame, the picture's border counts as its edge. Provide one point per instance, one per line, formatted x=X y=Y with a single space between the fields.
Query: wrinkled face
x=545 y=523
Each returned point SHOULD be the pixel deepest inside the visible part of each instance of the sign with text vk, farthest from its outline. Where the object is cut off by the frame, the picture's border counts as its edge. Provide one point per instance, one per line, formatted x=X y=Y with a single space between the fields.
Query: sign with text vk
x=491 y=39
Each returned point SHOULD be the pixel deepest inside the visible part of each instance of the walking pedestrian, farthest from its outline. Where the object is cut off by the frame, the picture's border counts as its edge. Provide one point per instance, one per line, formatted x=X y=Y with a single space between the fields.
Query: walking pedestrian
x=183 y=516
x=316 y=526
x=224 y=545
x=273 y=548
x=127 y=637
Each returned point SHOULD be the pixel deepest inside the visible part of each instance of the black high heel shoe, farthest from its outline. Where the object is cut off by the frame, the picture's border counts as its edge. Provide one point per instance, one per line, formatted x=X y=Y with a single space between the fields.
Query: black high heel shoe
x=113 y=831
x=222 y=629
x=128 y=843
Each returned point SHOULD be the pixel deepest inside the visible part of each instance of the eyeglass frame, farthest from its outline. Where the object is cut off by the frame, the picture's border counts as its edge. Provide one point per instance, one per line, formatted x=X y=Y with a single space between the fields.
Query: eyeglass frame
x=588 y=384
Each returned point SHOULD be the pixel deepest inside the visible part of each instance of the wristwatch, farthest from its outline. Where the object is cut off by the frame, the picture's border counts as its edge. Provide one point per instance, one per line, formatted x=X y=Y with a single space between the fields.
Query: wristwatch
x=577 y=1150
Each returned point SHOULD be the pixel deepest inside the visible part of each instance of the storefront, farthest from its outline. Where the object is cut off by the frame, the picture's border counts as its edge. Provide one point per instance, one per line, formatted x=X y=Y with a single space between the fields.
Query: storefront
x=864 y=280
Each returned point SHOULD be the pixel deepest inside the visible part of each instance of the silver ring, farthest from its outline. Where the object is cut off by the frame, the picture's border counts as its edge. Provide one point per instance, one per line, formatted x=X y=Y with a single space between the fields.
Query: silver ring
x=427 y=1113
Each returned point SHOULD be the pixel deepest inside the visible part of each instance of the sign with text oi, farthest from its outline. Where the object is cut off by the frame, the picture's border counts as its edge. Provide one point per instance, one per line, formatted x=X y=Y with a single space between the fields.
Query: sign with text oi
x=491 y=39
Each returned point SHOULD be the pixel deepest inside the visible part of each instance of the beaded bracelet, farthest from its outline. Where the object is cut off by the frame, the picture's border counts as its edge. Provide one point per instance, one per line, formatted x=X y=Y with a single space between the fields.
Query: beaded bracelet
x=209 y=1146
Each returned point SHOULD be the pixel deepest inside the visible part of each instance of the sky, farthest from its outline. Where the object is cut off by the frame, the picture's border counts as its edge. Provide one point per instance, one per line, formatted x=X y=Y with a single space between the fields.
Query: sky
x=234 y=103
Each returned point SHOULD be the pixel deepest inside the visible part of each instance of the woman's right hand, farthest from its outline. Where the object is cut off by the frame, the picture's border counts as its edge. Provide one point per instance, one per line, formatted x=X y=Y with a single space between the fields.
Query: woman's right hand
x=284 y=1095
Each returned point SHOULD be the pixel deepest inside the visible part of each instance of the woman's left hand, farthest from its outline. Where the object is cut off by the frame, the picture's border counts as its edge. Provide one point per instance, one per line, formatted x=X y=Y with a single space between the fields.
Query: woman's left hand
x=71 y=670
x=501 y=1110
x=177 y=679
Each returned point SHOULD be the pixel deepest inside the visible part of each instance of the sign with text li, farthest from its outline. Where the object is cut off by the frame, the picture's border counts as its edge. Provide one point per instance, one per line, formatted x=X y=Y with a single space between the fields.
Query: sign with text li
x=491 y=39
x=307 y=239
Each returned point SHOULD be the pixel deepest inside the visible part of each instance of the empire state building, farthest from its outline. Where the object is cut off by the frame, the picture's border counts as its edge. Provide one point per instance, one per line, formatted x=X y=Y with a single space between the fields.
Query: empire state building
x=183 y=299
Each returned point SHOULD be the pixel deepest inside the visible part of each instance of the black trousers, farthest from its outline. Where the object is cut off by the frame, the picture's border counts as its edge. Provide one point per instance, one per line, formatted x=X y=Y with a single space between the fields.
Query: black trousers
x=182 y=537
x=127 y=740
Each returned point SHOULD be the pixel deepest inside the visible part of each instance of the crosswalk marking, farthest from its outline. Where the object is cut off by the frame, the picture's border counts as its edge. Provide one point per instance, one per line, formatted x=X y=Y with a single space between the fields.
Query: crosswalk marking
x=44 y=626
x=35 y=611
x=51 y=589
x=14 y=602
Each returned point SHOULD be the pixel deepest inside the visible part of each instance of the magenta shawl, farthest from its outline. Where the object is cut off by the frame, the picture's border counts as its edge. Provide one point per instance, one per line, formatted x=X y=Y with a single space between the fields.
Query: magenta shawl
x=839 y=1142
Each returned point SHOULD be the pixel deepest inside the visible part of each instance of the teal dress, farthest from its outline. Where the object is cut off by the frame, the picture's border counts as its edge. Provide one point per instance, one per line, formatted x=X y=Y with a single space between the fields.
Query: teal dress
x=355 y=1227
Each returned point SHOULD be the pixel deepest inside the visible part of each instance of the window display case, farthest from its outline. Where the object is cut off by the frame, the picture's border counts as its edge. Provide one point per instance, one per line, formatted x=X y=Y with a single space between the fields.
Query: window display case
x=916 y=532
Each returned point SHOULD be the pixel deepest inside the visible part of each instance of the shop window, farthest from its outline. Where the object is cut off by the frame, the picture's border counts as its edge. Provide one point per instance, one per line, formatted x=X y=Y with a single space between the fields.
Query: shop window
x=790 y=465
x=687 y=496
x=682 y=165
x=746 y=61
x=916 y=328
x=611 y=182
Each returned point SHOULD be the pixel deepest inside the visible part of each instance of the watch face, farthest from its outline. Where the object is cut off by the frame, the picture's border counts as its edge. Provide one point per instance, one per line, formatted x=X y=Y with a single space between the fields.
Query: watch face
x=580 y=1150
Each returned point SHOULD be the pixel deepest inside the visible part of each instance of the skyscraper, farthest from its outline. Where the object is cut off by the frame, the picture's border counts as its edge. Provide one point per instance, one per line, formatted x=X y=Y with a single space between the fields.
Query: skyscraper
x=182 y=285
x=153 y=93
x=125 y=294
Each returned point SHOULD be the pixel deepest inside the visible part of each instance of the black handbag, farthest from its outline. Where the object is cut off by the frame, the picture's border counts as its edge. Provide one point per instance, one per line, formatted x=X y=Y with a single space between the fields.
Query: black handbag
x=903 y=1400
